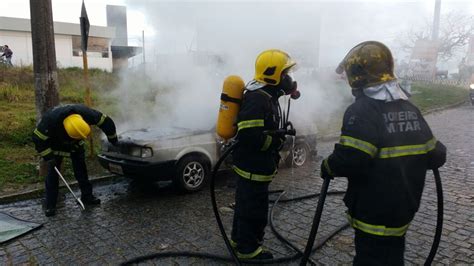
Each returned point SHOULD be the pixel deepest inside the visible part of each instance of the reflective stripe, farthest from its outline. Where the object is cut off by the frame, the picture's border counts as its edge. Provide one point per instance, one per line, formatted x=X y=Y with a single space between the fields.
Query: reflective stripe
x=102 y=119
x=361 y=145
x=268 y=142
x=249 y=255
x=40 y=135
x=379 y=230
x=232 y=243
x=112 y=136
x=250 y=123
x=254 y=177
x=62 y=153
x=328 y=168
x=46 y=152
x=407 y=150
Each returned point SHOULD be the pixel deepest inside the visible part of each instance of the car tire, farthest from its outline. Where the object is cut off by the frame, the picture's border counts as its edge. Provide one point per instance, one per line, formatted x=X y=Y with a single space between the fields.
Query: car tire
x=192 y=173
x=299 y=156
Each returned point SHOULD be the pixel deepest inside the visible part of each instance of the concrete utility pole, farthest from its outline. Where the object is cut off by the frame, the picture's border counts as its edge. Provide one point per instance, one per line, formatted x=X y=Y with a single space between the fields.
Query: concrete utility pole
x=435 y=33
x=143 y=45
x=44 y=56
x=44 y=59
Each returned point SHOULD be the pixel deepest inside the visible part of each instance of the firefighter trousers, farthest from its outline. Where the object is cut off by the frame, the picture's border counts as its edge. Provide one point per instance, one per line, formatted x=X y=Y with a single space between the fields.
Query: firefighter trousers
x=80 y=173
x=250 y=215
x=378 y=250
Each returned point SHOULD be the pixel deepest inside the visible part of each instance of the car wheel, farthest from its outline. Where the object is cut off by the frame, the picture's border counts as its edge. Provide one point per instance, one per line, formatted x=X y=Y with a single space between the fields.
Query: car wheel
x=298 y=156
x=192 y=173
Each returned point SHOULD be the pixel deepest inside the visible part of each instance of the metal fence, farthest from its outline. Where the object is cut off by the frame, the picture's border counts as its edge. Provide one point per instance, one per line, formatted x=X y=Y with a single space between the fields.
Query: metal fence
x=451 y=82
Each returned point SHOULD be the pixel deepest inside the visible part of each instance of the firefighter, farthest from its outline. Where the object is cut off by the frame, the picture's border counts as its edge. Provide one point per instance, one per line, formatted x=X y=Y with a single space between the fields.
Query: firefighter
x=61 y=133
x=256 y=158
x=385 y=149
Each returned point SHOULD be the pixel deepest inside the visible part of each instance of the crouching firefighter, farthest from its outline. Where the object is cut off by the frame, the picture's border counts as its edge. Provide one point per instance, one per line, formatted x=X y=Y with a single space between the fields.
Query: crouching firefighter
x=256 y=157
x=61 y=133
x=385 y=149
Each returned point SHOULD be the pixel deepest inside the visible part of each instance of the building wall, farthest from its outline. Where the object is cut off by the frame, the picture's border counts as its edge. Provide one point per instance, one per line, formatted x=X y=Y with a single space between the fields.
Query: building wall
x=20 y=44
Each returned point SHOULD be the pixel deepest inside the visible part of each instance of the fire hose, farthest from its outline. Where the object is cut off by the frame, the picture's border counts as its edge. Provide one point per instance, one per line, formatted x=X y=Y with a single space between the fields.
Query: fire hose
x=315 y=225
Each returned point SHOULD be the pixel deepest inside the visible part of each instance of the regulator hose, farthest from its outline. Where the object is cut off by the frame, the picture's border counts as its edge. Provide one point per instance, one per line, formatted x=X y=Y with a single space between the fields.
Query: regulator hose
x=439 y=219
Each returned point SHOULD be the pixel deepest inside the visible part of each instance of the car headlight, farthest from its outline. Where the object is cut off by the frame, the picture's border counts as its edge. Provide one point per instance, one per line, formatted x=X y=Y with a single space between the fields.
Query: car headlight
x=147 y=152
x=471 y=86
x=135 y=151
x=142 y=152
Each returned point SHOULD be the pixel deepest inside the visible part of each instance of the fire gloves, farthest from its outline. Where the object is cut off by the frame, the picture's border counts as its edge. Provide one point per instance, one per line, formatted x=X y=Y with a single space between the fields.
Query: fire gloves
x=437 y=157
x=114 y=141
x=325 y=170
x=277 y=142
x=49 y=158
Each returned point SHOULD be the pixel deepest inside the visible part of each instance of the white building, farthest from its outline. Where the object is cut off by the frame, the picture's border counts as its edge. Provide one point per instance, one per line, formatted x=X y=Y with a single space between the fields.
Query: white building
x=16 y=33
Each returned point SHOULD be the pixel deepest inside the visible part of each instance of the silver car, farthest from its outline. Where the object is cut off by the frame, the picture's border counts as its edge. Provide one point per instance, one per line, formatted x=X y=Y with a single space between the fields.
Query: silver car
x=183 y=155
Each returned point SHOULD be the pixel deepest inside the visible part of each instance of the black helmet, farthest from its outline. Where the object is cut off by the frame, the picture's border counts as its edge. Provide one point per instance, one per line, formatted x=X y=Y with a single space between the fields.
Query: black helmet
x=367 y=64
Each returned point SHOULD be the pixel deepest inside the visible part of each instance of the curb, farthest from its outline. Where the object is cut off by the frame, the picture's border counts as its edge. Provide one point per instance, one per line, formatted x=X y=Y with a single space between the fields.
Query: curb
x=38 y=193
x=454 y=105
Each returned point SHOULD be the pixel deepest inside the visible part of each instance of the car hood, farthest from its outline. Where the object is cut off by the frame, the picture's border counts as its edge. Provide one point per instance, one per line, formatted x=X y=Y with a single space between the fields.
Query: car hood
x=147 y=135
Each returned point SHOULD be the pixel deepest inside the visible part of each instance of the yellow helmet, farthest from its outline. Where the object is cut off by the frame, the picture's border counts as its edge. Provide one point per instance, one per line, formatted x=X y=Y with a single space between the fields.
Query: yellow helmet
x=367 y=64
x=270 y=64
x=76 y=127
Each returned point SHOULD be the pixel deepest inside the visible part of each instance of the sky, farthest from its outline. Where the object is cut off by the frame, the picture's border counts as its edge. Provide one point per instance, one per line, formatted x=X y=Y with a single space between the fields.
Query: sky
x=172 y=26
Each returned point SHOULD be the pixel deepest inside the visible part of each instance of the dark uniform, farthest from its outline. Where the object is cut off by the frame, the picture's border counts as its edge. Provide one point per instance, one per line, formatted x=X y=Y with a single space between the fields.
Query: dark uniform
x=255 y=163
x=7 y=52
x=53 y=143
x=385 y=150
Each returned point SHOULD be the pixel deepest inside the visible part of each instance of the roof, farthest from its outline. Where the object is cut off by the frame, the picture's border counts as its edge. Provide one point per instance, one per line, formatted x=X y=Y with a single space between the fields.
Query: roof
x=64 y=28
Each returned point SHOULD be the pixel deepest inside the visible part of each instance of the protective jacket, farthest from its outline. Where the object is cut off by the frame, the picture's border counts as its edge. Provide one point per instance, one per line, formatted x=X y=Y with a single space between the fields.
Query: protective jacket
x=51 y=138
x=256 y=157
x=385 y=149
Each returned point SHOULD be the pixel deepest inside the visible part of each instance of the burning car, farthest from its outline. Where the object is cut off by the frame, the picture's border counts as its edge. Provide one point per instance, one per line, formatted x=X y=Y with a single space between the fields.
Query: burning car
x=182 y=155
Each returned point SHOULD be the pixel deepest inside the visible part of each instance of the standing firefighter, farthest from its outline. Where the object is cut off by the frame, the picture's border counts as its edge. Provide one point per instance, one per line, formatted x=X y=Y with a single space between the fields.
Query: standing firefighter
x=61 y=133
x=385 y=149
x=256 y=157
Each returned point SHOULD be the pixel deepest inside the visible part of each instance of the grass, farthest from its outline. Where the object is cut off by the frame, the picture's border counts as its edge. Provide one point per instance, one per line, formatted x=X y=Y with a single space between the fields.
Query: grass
x=18 y=159
x=430 y=96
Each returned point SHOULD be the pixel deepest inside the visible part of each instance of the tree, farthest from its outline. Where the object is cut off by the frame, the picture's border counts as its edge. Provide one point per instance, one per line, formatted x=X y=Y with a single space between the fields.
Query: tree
x=455 y=30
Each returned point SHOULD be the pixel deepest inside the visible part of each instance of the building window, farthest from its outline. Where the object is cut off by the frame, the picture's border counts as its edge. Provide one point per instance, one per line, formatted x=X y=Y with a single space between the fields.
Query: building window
x=96 y=47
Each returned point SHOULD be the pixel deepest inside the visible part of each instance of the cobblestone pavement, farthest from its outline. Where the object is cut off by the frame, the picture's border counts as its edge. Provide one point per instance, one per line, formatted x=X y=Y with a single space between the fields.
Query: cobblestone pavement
x=135 y=220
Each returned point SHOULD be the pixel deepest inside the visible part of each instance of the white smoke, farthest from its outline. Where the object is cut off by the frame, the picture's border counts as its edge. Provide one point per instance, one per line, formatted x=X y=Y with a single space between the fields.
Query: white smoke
x=198 y=43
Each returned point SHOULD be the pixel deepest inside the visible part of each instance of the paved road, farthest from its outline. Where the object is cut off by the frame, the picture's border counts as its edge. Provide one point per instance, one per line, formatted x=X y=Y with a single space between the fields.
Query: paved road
x=135 y=220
